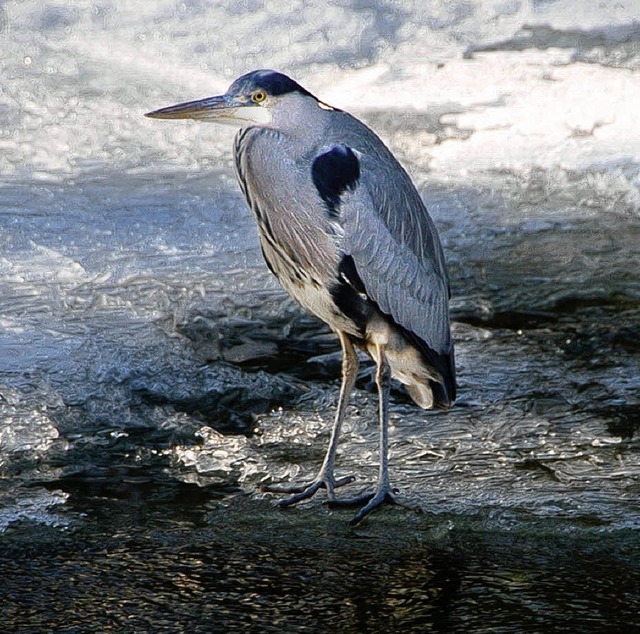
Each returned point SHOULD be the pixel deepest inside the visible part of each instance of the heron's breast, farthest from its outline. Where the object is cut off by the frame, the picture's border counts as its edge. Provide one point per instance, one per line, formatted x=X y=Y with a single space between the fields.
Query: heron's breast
x=306 y=286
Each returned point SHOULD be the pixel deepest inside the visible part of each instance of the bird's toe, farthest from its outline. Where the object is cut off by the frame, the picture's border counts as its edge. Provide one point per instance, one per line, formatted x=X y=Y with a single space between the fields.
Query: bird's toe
x=384 y=495
x=304 y=492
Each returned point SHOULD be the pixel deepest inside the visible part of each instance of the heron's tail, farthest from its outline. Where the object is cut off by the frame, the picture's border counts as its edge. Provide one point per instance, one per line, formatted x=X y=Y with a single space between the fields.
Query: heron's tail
x=438 y=394
x=444 y=394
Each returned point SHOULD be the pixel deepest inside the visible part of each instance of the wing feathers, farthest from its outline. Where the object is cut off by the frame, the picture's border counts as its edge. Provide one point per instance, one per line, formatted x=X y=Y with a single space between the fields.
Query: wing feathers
x=395 y=278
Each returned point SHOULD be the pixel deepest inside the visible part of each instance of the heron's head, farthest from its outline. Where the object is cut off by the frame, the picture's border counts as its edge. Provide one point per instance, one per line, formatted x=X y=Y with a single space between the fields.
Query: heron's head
x=252 y=99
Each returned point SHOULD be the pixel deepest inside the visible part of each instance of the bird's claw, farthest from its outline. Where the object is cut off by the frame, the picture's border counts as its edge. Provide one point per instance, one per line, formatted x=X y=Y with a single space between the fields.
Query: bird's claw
x=371 y=501
x=304 y=492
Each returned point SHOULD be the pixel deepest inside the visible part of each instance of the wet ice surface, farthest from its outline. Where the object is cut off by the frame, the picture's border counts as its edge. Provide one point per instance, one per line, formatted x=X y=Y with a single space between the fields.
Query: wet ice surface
x=160 y=321
x=152 y=375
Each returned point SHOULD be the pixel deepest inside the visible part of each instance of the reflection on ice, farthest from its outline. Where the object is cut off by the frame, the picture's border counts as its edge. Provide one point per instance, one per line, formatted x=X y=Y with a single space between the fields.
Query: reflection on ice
x=220 y=458
x=37 y=506
x=22 y=430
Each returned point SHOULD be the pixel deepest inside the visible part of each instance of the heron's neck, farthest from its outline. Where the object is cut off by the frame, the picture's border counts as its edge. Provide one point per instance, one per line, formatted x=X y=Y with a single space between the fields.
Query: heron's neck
x=300 y=117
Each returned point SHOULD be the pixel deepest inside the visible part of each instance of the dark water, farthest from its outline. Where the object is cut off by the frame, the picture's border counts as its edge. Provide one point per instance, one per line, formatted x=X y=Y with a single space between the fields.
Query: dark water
x=160 y=557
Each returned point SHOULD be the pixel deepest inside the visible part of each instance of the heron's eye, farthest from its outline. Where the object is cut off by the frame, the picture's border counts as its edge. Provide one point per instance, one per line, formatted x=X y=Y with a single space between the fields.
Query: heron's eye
x=259 y=96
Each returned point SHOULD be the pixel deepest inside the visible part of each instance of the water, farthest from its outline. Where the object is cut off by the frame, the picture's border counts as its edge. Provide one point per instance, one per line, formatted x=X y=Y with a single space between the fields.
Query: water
x=152 y=375
x=191 y=561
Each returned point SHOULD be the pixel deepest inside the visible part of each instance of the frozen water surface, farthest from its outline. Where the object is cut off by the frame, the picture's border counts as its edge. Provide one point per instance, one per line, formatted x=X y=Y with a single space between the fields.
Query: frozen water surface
x=153 y=375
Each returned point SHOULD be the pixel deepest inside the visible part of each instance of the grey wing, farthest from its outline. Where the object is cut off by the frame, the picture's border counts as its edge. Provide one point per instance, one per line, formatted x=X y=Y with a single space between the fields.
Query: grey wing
x=397 y=254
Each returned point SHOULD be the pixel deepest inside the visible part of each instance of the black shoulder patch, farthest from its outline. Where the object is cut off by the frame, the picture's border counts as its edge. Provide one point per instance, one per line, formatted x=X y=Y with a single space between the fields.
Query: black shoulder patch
x=334 y=172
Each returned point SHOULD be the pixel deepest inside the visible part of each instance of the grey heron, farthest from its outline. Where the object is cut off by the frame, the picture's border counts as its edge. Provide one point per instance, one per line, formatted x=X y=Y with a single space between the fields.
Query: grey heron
x=346 y=233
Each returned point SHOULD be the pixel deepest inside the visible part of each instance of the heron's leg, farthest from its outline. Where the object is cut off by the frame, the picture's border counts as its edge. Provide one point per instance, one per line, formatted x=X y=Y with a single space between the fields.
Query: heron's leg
x=383 y=492
x=325 y=478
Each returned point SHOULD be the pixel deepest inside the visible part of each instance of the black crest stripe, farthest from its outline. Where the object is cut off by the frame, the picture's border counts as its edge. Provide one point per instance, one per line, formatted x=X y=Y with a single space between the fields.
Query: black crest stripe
x=272 y=82
x=278 y=84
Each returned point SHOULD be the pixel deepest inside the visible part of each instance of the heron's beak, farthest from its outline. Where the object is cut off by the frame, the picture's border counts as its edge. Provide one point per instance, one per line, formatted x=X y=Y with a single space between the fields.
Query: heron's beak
x=222 y=109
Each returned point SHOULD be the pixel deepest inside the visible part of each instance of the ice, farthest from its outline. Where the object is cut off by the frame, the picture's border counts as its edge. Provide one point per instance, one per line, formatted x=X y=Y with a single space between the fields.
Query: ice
x=38 y=506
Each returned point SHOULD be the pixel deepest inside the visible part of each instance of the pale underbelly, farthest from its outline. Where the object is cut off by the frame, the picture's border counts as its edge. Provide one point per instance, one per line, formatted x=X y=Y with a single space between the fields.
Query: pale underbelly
x=317 y=300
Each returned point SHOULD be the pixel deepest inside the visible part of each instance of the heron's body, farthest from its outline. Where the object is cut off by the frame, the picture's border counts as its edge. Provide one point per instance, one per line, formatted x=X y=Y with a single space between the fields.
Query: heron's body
x=346 y=233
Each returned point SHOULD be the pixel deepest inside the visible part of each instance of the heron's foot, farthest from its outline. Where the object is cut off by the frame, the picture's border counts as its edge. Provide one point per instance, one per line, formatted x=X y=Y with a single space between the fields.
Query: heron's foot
x=304 y=492
x=383 y=495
